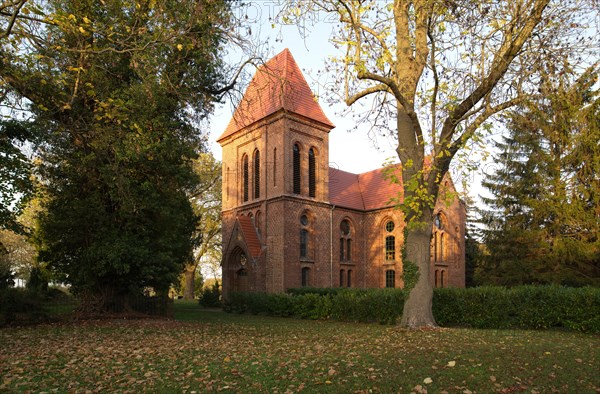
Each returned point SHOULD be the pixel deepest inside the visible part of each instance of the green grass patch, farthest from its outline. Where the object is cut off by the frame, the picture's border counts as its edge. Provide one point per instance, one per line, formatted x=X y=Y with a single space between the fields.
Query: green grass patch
x=210 y=351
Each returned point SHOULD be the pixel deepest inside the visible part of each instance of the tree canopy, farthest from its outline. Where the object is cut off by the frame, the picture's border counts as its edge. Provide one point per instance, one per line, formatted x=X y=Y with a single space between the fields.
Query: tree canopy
x=118 y=88
x=437 y=72
x=543 y=221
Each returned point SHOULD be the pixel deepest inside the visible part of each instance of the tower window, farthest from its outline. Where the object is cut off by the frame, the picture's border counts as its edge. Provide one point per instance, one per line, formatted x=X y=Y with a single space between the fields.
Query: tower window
x=245 y=178
x=312 y=173
x=303 y=243
x=304 y=237
x=256 y=160
x=296 y=160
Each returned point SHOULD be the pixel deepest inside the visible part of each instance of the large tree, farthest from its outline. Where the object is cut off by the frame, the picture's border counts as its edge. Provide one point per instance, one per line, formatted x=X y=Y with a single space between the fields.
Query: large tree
x=543 y=221
x=437 y=72
x=117 y=87
x=206 y=203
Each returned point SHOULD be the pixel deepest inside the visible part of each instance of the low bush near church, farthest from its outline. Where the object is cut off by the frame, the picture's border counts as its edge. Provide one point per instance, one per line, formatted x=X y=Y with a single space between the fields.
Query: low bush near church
x=524 y=307
x=370 y=305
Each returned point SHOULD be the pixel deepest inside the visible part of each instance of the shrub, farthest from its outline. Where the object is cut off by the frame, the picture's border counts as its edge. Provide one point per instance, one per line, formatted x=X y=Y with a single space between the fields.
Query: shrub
x=523 y=307
x=372 y=305
x=19 y=306
x=210 y=297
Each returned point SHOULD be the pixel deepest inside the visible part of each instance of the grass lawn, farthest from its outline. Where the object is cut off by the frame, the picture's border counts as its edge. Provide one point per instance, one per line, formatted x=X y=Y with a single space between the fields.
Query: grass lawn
x=206 y=351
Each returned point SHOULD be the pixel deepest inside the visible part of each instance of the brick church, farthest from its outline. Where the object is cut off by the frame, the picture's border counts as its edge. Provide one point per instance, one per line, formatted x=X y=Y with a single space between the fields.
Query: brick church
x=291 y=220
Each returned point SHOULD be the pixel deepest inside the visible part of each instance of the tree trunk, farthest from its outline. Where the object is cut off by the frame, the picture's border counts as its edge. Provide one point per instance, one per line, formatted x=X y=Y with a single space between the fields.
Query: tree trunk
x=417 y=307
x=190 y=283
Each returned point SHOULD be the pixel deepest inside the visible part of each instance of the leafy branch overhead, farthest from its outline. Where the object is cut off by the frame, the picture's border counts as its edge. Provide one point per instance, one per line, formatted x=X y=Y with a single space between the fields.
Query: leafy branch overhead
x=118 y=89
x=436 y=73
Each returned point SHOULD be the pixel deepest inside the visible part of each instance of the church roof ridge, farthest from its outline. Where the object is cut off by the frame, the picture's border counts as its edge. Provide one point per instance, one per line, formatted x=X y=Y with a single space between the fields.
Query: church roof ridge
x=365 y=191
x=277 y=84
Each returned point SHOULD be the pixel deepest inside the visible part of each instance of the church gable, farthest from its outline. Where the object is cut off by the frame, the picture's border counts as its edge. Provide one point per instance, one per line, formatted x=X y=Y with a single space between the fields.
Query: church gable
x=278 y=84
x=244 y=235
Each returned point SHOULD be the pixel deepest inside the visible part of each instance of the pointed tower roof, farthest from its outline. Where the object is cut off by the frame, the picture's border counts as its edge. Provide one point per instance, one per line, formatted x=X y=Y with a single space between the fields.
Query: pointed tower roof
x=278 y=84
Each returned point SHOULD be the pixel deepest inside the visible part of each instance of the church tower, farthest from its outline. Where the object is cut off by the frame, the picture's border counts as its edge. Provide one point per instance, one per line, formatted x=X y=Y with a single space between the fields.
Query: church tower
x=275 y=184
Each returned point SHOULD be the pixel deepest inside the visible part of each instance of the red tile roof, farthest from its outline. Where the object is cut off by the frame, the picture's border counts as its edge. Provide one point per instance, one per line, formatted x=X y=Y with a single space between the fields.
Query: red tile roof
x=250 y=236
x=368 y=191
x=278 y=84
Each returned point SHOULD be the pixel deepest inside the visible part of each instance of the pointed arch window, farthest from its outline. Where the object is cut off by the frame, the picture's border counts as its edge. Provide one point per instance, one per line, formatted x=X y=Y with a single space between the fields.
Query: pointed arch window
x=256 y=160
x=342 y=277
x=390 y=241
x=245 y=178
x=345 y=241
x=440 y=238
x=304 y=237
x=349 y=281
x=296 y=165
x=312 y=173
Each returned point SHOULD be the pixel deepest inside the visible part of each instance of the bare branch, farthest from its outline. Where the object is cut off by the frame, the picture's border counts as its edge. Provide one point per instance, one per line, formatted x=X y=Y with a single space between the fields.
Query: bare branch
x=13 y=17
x=365 y=92
x=509 y=49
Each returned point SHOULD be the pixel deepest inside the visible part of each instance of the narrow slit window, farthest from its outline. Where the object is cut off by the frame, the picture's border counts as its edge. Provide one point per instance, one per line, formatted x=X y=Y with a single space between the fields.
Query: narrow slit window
x=296 y=165
x=245 y=178
x=312 y=173
x=256 y=160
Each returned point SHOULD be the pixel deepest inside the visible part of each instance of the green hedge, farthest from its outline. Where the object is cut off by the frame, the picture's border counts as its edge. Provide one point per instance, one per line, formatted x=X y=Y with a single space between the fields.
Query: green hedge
x=525 y=307
x=373 y=305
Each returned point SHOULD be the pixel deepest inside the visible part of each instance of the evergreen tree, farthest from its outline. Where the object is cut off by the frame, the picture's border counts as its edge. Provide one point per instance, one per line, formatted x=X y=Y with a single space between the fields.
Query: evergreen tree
x=543 y=224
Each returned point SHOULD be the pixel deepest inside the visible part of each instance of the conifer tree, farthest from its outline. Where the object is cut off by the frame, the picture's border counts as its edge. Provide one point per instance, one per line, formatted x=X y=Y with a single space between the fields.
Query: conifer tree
x=543 y=221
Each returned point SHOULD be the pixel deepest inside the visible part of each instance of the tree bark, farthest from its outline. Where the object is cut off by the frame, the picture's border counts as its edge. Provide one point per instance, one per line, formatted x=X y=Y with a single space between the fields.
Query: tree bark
x=417 y=307
x=190 y=282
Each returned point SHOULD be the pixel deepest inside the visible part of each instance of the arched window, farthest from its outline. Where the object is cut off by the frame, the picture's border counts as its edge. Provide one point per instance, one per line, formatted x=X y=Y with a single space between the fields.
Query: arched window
x=257 y=220
x=349 y=281
x=390 y=241
x=256 y=160
x=312 y=173
x=342 y=277
x=245 y=178
x=304 y=237
x=439 y=239
x=390 y=278
x=296 y=164
x=345 y=240
x=305 y=277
